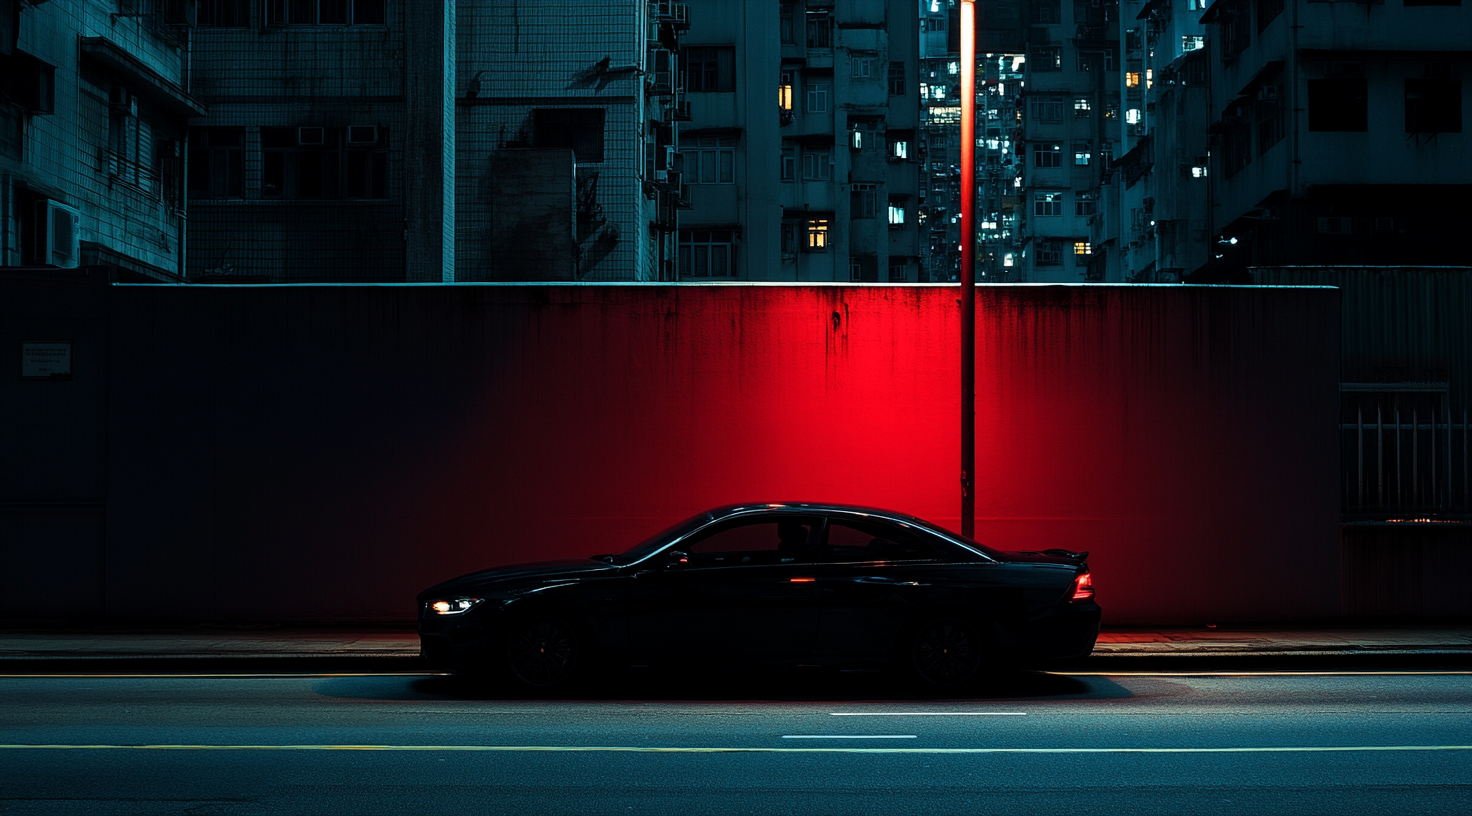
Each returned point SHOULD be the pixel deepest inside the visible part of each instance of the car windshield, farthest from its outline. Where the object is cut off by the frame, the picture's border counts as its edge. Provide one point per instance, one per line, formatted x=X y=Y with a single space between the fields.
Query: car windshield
x=653 y=543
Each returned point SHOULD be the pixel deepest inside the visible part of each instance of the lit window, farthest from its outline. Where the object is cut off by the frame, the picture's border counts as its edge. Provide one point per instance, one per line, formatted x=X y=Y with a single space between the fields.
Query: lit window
x=900 y=149
x=1198 y=171
x=1149 y=77
x=1191 y=42
x=1047 y=204
x=952 y=68
x=1007 y=259
x=1132 y=79
x=1081 y=107
x=856 y=139
x=1132 y=116
x=1082 y=248
x=784 y=92
x=896 y=214
x=817 y=235
x=1081 y=154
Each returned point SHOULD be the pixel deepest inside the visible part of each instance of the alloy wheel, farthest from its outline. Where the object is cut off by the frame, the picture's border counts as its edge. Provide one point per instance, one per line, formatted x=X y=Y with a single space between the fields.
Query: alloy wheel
x=946 y=652
x=542 y=651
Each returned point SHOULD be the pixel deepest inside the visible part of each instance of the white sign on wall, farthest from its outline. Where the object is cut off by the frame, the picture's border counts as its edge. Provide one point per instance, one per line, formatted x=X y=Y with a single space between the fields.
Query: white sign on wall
x=46 y=359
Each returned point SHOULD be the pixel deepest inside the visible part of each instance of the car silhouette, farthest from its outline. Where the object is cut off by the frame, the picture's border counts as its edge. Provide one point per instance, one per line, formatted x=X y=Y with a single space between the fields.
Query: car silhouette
x=769 y=585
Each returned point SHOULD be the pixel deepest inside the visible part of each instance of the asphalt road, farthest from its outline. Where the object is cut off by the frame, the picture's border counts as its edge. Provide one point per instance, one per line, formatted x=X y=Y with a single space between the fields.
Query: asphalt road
x=1031 y=743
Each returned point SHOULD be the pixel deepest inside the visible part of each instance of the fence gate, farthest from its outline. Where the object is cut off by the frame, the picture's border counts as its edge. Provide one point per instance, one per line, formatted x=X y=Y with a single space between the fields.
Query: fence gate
x=1404 y=450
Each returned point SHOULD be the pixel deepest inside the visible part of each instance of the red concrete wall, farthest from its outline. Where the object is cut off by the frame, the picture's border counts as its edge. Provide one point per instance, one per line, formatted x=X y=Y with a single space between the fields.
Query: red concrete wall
x=325 y=452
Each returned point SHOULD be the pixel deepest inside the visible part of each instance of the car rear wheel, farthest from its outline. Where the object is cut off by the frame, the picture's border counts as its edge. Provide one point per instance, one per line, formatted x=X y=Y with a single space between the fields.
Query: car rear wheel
x=544 y=652
x=946 y=652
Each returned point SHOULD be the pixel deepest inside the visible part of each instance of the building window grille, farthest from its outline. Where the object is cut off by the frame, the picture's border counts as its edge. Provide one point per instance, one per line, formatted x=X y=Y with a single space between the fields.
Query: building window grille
x=817 y=165
x=1050 y=253
x=817 y=97
x=790 y=230
x=1047 y=204
x=1082 y=106
x=896 y=79
x=861 y=201
x=709 y=159
x=710 y=69
x=1081 y=154
x=707 y=254
x=577 y=129
x=325 y=12
x=1047 y=155
x=216 y=162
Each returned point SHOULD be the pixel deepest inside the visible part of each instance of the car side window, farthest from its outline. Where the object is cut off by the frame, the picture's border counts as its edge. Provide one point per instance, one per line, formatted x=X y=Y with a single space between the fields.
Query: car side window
x=873 y=541
x=763 y=541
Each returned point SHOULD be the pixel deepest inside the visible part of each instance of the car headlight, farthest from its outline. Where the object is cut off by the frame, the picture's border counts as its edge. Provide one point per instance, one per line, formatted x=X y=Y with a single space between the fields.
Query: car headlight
x=453 y=606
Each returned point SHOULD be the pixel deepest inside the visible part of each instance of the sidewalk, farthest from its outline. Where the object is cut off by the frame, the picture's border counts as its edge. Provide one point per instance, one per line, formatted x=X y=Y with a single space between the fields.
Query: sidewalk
x=286 y=649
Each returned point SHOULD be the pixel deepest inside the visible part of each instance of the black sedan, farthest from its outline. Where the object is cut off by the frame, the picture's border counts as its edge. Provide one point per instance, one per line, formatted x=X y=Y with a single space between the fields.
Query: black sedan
x=785 y=584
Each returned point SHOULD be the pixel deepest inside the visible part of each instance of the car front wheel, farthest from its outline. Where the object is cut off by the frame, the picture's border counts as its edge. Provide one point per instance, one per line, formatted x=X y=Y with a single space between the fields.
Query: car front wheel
x=544 y=651
x=946 y=652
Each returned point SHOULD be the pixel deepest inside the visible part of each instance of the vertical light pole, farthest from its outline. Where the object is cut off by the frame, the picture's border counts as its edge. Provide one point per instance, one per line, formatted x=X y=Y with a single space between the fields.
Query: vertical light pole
x=968 y=267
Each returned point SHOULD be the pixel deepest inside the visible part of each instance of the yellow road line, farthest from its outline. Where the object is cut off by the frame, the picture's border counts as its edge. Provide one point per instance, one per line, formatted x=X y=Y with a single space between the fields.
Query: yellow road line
x=742 y=750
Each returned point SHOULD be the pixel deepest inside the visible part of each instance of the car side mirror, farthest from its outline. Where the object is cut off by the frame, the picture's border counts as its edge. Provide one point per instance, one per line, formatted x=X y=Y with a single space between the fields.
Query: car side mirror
x=676 y=559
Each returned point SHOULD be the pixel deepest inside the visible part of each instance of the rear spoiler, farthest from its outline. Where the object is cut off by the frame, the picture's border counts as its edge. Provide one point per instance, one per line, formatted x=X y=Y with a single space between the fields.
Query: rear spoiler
x=1081 y=557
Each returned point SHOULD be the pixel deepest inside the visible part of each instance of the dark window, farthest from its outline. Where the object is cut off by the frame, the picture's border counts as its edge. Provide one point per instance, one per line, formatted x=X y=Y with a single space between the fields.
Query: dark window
x=1267 y=12
x=1237 y=150
x=1047 y=155
x=1050 y=253
x=866 y=540
x=1338 y=104
x=578 y=129
x=325 y=12
x=1270 y=117
x=224 y=13
x=819 y=29
x=1433 y=105
x=28 y=82
x=707 y=253
x=785 y=23
x=1432 y=2
x=896 y=79
x=1046 y=58
x=1236 y=28
x=861 y=201
x=1046 y=12
x=216 y=162
x=316 y=163
x=765 y=541
x=709 y=69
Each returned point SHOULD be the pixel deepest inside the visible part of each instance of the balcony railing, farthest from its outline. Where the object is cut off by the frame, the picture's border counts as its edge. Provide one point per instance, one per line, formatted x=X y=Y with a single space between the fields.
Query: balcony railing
x=126 y=170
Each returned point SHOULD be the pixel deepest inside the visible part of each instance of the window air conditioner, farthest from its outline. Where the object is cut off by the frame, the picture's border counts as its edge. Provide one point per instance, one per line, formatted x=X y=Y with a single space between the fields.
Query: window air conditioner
x=58 y=236
x=361 y=134
x=311 y=136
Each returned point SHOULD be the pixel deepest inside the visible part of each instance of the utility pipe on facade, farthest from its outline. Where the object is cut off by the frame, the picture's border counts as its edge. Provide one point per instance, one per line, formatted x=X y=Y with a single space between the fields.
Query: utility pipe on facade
x=968 y=267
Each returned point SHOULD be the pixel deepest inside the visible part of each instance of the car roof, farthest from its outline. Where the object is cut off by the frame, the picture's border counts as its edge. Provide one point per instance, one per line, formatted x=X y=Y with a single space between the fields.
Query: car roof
x=810 y=507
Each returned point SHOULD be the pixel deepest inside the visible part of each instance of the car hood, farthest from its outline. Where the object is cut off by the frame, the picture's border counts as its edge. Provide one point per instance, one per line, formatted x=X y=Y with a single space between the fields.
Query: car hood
x=516 y=574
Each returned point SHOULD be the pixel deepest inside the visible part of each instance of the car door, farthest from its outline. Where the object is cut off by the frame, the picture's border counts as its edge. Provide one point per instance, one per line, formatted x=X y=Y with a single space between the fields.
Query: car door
x=745 y=594
x=871 y=575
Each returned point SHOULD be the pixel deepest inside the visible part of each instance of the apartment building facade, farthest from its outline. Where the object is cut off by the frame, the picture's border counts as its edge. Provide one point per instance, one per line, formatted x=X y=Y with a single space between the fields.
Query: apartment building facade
x=93 y=126
x=823 y=185
x=1070 y=105
x=1340 y=131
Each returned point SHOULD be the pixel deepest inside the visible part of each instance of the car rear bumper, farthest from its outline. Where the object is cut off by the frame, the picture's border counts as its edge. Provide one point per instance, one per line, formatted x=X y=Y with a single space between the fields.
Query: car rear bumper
x=1069 y=634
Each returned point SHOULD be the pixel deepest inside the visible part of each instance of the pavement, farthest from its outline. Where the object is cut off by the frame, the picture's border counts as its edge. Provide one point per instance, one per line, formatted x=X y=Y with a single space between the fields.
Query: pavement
x=383 y=650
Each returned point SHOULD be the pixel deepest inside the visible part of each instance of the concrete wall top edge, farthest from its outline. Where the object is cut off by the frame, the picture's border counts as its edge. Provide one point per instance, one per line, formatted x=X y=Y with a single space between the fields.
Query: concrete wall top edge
x=732 y=284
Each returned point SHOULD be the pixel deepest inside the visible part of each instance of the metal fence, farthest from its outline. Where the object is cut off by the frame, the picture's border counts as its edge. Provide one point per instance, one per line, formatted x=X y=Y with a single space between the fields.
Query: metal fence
x=1404 y=451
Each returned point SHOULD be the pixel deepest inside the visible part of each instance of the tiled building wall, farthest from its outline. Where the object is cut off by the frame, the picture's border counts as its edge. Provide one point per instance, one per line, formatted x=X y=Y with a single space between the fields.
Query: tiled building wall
x=513 y=58
x=125 y=217
x=295 y=76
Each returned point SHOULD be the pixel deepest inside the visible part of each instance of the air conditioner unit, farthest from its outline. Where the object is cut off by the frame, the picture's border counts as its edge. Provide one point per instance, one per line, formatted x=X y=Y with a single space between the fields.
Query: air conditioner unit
x=121 y=99
x=361 y=134
x=58 y=235
x=311 y=136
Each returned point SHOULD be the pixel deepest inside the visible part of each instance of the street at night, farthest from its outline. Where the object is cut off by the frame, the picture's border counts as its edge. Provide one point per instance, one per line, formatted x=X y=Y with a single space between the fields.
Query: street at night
x=1029 y=742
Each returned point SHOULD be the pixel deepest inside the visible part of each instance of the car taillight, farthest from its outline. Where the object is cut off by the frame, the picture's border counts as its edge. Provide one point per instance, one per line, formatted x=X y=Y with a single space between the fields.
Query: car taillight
x=1083 y=588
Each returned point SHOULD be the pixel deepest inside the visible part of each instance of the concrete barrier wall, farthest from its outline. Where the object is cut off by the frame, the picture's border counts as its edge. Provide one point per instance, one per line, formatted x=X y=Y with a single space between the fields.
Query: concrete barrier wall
x=323 y=452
